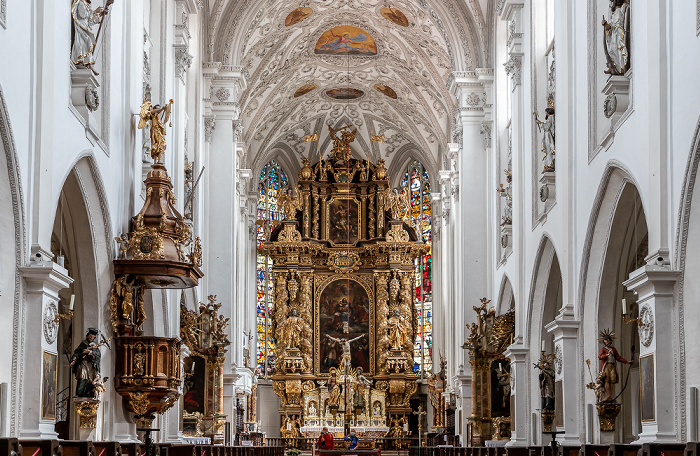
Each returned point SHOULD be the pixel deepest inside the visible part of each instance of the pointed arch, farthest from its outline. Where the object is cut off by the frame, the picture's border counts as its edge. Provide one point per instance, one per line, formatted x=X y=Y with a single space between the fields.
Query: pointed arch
x=12 y=201
x=545 y=292
x=506 y=298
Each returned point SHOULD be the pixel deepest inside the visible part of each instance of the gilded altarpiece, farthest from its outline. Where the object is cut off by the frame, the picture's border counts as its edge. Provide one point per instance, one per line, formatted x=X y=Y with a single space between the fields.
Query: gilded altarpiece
x=344 y=320
x=489 y=338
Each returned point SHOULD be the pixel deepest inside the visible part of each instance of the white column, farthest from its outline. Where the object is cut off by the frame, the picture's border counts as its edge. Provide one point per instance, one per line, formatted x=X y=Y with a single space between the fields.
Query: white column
x=569 y=371
x=520 y=373
x=654 y=286
x=43 y=279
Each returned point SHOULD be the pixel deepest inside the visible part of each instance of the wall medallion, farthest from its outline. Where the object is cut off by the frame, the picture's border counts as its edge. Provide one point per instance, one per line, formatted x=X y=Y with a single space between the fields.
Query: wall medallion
x=50 y=325
x=504 y=241
x=558 y=359
x=610 y=105
x=544 y=193
x=646 y=330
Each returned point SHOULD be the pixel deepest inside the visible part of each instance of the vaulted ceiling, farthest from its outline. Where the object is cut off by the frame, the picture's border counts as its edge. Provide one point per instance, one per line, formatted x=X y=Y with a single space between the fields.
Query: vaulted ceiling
x=397 y=65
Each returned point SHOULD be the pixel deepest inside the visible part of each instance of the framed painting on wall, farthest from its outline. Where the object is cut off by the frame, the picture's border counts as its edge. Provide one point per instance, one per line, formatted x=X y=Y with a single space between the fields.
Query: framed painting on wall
x=646 y=388
x=48 y=387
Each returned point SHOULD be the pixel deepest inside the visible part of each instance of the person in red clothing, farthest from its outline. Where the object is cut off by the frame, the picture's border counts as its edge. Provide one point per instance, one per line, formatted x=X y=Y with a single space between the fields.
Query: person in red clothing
x=609 y=357
x=325 y=440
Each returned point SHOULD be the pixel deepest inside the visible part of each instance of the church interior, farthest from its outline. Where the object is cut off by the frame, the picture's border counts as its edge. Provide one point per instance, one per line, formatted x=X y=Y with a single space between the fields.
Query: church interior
x=339 y=227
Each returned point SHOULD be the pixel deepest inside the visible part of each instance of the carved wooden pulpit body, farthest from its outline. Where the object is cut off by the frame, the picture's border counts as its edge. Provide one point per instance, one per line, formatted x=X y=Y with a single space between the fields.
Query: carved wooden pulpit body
x=343 y=320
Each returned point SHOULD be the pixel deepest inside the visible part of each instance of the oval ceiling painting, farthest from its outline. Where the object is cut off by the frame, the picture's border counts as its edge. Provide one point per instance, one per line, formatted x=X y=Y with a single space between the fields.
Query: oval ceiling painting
x=303 y=90
x=346 y=40
x=345 y=93
x=298 y=15
x=386 y=90
x=394 y=15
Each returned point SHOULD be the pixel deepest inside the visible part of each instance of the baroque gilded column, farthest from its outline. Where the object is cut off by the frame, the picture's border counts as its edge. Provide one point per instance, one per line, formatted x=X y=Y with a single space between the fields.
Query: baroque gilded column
x=382 y=279
x=306 y=306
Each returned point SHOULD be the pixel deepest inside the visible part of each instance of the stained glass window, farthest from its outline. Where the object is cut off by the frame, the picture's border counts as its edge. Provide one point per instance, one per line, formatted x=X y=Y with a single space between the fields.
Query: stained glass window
x=417 y=183
x=272 y=181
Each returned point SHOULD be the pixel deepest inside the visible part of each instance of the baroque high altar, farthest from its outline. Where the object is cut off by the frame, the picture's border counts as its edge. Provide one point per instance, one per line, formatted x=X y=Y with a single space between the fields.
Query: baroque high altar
x=344 y=320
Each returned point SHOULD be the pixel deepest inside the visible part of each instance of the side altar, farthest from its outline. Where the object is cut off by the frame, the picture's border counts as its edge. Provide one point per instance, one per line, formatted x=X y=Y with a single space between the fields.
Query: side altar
x=343 y=319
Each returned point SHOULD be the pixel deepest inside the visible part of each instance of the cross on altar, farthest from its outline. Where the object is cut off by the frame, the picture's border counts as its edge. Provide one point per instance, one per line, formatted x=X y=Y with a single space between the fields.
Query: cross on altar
x=420 y=413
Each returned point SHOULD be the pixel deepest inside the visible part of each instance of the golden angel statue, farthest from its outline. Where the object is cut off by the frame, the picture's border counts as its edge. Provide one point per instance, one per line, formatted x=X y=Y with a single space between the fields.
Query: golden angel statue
x=341 y=146
x=158 y=116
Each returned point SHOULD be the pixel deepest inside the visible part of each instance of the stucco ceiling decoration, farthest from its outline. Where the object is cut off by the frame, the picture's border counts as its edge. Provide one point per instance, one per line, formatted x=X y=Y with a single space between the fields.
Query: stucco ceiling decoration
x=417 y=47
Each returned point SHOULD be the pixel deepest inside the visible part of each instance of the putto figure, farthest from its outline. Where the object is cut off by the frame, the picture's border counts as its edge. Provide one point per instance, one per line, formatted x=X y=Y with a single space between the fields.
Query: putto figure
x=84 y=41
x=616 y=39
x=158 y=116
x=85 y=364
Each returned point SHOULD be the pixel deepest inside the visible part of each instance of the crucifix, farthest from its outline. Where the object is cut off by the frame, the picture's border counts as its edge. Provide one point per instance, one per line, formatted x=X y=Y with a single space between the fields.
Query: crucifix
x=420 y=413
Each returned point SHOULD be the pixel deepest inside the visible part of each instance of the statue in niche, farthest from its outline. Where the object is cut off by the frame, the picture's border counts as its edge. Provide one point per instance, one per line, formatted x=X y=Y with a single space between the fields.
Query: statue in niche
x=84 y=41
x=85 y=364
x=507 y=193
x=397 y=331
x=547 y=128
x=546 y=379
x=616 y=39
x=291 y=330
x=609 y=357
x=158 y=116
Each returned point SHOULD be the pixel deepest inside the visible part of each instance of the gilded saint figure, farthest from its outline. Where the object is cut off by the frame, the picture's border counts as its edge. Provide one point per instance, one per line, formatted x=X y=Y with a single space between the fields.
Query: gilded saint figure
x=158 y=116
x=291 y=329
x=397 y=331
x=616 y=38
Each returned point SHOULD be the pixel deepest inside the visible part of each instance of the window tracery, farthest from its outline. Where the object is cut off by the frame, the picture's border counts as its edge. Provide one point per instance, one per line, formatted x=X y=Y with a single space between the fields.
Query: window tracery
x=272 y=181
x=416 y=181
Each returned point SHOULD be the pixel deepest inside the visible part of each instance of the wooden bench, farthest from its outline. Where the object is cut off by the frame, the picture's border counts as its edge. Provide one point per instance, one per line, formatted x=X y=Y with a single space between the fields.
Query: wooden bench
x=182 y=450
x=132 y=449
x=41 y=447
x=569 y=450
x=77 y=448
x=10 y=447
x=517 y=451
x=107 y=449
x=619 y=449
x=662 y=449
x=595 y=450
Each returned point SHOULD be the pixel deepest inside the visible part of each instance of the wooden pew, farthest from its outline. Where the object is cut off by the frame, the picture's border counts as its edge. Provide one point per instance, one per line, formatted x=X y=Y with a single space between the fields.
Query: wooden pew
x=164 y=448
x=595 y=450
x=132 y=449
x=619 y=449
x=44 y=447
x=10 y=447
x=662 y=449
x=107 y=449
x=692 y=449
x=77 y=448
x=182 y=450
x=517 y=451
x=569 y=450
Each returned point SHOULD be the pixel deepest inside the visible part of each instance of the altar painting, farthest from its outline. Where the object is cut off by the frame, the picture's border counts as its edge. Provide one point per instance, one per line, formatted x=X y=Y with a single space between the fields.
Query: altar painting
x=195 y=385
x=344 y=310
x=343 y=221
x=346 y=40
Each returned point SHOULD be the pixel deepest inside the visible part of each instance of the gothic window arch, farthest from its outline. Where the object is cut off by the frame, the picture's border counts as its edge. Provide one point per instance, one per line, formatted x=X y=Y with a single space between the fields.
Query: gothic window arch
x=417 y=183
x=272 y=181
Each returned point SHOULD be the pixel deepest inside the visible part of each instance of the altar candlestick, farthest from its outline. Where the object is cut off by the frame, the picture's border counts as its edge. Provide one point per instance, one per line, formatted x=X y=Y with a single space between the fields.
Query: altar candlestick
x=72 y=302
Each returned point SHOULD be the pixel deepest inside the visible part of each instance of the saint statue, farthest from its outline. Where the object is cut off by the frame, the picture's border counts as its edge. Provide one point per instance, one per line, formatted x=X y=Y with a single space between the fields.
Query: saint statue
x=547 y=128
x=85 y=364
x=397 y=331
x=84 y=41
x=341 y=146
x=616 y=39
x=609 y=357
x=158 y=116
x=546 y=382
x=291 y=330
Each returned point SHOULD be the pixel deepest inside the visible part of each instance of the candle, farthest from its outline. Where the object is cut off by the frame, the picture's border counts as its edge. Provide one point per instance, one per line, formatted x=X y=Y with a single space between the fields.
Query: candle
x=289 y=425
x=72 y=302
x=500 y=367
x=543 y=346
x=624 y=306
